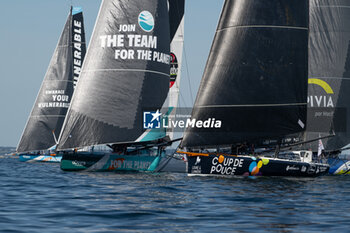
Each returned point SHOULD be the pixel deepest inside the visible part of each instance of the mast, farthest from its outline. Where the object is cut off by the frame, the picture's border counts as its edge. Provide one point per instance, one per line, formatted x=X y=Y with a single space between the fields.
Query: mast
x=51 y=105
x=176 y=20
x=255 y=80
x=125 y=73
x=329 y=74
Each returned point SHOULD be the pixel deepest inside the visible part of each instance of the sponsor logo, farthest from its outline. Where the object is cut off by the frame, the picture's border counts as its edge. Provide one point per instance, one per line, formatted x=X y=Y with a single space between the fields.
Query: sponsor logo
x=146 y=21
x=292 y=168
x=198 y=161
x=128 y=164
x=312 y=169
x=325 y=86
x=303 y=169
x=256 y=165
x=321 y=101
x=77 y=50
x=55 y=99
x=225 y=165
x=196 y=168
x=174 y=68
x=117 y=163
x=77 y=10
x=79 y=163
x=132 y=44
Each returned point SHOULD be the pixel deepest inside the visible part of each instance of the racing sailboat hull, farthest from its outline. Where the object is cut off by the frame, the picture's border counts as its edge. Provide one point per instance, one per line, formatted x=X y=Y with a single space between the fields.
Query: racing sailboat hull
x=106 y=162
x=40 y=158
x=241 y=165
x=50 y=108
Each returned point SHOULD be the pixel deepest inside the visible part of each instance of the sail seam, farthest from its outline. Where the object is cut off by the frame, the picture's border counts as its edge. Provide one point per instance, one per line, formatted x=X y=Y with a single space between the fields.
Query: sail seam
x=251 y=105
x=335 y=6
x=264 y=26
x=36 y=116
x=345 y=78
x=68 y=81
x=127 y=70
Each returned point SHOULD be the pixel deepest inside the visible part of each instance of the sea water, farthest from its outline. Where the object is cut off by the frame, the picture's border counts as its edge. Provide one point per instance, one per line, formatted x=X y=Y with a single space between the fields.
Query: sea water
x=39 y=197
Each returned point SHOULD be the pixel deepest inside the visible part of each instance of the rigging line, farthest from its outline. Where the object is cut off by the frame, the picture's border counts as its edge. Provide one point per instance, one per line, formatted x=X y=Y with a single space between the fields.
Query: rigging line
x=188 y=74
x=183 y=100
x=185 y=54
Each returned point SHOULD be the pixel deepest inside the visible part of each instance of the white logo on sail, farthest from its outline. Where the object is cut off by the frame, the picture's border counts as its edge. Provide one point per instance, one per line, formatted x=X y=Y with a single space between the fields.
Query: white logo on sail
x=146 y=21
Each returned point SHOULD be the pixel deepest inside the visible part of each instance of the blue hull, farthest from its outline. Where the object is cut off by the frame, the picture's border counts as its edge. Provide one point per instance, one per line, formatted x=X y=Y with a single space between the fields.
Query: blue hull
x=339 y=166
x=40 y=158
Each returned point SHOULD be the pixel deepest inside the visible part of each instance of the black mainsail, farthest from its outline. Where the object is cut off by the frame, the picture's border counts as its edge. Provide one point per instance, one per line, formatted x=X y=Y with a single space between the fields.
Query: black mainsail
x=50 y=108
x=255 y=80
x=126 y=72
x=329 y=74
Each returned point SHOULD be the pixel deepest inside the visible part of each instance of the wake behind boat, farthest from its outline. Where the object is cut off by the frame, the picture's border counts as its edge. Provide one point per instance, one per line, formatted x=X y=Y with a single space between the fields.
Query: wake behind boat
x=39 y=139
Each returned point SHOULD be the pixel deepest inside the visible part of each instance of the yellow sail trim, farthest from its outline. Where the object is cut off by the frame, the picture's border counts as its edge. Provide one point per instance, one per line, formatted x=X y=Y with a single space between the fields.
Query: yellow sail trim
x=322 y=84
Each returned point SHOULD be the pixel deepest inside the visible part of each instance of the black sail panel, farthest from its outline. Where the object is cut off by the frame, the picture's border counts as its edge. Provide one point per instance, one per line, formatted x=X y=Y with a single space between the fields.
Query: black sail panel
x=255 y=80
x=126 y=71
x=176 y=14
x=55 y=94
x=329 y=74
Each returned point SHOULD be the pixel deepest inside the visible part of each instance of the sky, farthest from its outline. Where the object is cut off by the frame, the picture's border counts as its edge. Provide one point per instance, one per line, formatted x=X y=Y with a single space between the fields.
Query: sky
x=29 y=34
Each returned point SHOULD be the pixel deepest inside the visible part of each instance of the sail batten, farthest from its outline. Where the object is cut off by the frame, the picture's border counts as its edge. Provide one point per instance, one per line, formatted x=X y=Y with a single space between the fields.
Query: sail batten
x=263 y=26
x=127 y=70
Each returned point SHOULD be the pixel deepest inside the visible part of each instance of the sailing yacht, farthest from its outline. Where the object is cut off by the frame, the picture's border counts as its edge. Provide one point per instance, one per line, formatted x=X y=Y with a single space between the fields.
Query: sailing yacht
x=329 y=82
x=126 y=87
x=255 y=84
x=39 y=138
